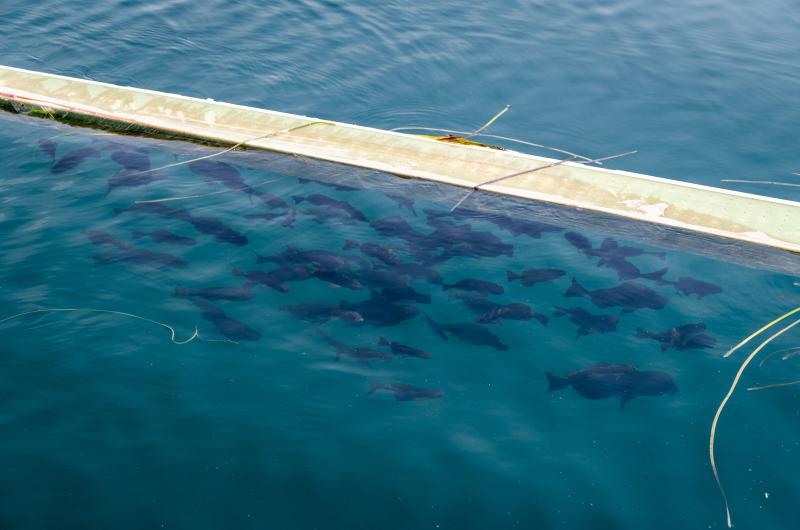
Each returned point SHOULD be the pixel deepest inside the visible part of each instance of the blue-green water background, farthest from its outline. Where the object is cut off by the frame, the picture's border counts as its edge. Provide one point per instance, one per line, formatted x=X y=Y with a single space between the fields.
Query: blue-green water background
x=105 y=423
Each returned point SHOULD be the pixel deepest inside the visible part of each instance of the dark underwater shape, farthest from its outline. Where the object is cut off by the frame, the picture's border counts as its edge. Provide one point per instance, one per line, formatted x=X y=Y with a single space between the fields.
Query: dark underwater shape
x=326 y=214
x=533 y=276
x=628 y=295
x=337 y=278
x=403 y=202
x=418 y=272
x=405 y=293
x=401 y=349
x=229 y=176
x=73 y=159
x=276 y=278
x=628 y=271
x=166 y=237
x=362 y=355
x=385 y=255
x=317 y=199
x=105 y=239
x=132 y=178
x=609 y=249
x=337 y=187
x=321 y=312
x=490 y=312
x=225 y=325
x=405 y=392
x=380 y=311
x=468 y=332
x=461 y=240
x=687 y=336
x=587 y=322
x=396 y=226
x=688 y=286
x=156 y=260
x=48 y=147
x=532 y=229
x=215 y=293
x=580 y=242
x=383 y=279
x=132 y=160
x=482 y=287
x=204 y=225
x=323 y=259
x=603 y=381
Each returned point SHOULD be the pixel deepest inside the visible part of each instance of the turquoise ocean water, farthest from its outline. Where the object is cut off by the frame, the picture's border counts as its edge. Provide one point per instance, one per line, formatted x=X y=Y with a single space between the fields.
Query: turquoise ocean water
x=277 y=417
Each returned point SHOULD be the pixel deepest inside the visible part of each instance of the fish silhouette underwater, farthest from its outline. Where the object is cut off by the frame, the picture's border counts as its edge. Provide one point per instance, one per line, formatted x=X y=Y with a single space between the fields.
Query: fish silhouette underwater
x=362 y=355
x=685 y=337
x=73 y=159
x=692 y=286
x=321 y=312
x=406 y=392
x=587 y=322
x=403 y=350
x=482 y=287
x=531 y=277
x=603 y=381
x=630 y=296
x=223 y=324
x=490 y=312
x=468 y=332
x=236 y=294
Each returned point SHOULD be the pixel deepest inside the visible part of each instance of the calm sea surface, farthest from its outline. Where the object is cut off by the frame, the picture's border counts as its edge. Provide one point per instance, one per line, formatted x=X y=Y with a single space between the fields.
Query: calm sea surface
x=285 y=410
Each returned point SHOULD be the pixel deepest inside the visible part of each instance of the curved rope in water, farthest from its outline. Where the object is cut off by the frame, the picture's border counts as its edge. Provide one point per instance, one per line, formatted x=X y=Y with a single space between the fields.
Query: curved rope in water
x=773 y=354
x=171 y=199
x=754 y=335
x=728 y=396
x=774 y=385
x=195 y=335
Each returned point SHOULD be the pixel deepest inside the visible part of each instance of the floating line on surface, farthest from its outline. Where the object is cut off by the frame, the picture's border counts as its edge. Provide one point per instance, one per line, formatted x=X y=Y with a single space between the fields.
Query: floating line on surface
x=488 y=123
x=768 y=357
x=754 y=335
x=728 y=396
x=774 y=385
x=476 y=187
x=496 y=137
x=195 y=335
x=771 y=182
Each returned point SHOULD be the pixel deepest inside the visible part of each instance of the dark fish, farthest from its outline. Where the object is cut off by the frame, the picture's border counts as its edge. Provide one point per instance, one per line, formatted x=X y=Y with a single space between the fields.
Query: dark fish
x=229 y=176
x=587 y=322
x=268 y=279
x=363 y=355
x=337 y=187
x=321 y=312
x=131 y=160
x=628 y=295
x=462 y=240
x=166 y=237
x=603 y=381
x=405 y=293
x=396 y=226
x=468 y=332
x=132 y=178
x=323 y=259
x=264 y=216
x=419 y=272
x=225 y=325
x=518 y=227
x=610 y=249
x=687 y=336
x=105 y=239
x=403 y=202
x=385 y=255
x=49 y=148
x=482 y=287
x=156 y=260
x=401 y=349
x=380 y=311
x=215 y=293
x=404 y=392
x=534 y=276
x=317 y=199
x=337 y=278
x=490 y=312
x=204 y=225
x=699 y=288
x=325 y=215
x=580 y=242
x=382 y=279
x=73 y=159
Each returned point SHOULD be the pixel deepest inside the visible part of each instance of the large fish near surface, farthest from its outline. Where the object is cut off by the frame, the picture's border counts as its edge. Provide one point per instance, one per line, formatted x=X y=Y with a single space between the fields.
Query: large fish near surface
x=532 y=229
x=687 y=336
x=405 y=392
x=468 y=332
x=156 y=260
x=398 y=348
x=462 y=240
x=131 y=160
x=403 y=202
x=688 y=286
x=165 y=237
x=405 y=293
x=531 y=277
x=322 y=259
x=205 y=225
x=482 y=287
x=317 y=199
x=276 y=278
x=603 y=381
x=385 y=255
x=215 y=293
x=73 y=159
x=362 y=355
x=587 y=322
x=321 y=312
x=105 y=239
x=396 y=226
x=490 y=312
x=630 y=296
x=337 y=278
x=381 y=311
x=225 y=325
x=229 y=176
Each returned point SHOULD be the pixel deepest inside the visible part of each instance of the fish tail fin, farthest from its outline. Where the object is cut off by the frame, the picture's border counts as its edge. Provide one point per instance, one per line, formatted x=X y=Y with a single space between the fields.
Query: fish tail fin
x=383 y=342
x=511 y=276
x=657 y=276
x=298 y=199
x=576 y=289
x=542 y=318
x=437 y=328
x=555 y=383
